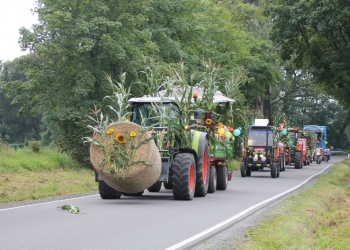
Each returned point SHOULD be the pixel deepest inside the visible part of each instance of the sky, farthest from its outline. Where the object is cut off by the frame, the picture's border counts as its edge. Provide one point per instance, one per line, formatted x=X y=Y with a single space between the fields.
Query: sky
x=14 y=14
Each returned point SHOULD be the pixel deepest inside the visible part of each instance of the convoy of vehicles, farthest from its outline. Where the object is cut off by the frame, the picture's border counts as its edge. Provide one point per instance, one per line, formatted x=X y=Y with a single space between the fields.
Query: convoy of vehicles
x=195 y=168
x=190 y=169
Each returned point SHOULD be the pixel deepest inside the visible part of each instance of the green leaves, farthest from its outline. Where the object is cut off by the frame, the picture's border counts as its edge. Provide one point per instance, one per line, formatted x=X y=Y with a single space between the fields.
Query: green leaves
x=313 y=34
x=72 y=209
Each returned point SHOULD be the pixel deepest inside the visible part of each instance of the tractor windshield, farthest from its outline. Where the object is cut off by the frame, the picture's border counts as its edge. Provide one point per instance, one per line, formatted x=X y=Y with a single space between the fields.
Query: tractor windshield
x=154 y=114
x=260 y=137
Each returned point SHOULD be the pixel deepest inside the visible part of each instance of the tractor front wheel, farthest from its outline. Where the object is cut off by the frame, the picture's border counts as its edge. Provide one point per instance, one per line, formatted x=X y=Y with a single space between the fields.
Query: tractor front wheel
x=243 y=169
x=167 y=184
x=297 y=160
x=107 y=192
x=155 y=187
x=184 y=176
x=283 y=160
x=274 y=169
x=222 y=177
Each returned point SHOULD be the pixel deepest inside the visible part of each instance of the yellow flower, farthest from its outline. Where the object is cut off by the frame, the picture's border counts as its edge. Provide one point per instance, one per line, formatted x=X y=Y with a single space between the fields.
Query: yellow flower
x=220 y=125
x=110 y=131
x=208 y=121
x=133 y=134
x=120 y=138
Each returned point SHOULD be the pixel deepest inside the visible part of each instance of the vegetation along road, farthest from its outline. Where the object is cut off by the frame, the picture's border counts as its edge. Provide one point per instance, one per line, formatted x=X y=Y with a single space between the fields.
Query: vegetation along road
x=156 y=220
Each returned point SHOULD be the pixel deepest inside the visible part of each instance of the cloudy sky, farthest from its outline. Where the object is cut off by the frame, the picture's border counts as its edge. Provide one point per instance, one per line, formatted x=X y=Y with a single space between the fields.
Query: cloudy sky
x=14 y=14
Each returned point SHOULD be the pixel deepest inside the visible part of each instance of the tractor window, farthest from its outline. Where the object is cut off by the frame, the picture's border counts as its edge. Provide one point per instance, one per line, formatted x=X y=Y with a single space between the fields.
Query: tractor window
x=260 y=138
x=150 y=114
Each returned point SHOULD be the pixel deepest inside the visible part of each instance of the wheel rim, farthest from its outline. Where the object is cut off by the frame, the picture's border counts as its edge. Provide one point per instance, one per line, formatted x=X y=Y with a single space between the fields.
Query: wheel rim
x=192 y=174
x=205 y=167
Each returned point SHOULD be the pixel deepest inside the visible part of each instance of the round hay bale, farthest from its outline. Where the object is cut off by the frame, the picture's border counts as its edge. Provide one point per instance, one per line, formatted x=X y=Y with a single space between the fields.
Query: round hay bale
x=139 y=176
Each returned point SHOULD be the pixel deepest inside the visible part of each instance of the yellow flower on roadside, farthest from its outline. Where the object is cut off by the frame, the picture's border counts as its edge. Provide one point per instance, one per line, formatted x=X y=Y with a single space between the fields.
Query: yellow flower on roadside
x=110 y=131
x=133 y=134
x=120 y=138
x=208 y=121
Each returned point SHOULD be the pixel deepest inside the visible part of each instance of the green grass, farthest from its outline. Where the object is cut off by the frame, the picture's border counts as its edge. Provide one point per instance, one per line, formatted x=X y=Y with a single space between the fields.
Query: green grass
x=317 y=218
x=25 y=175
x=233 y=165
x=25 y=159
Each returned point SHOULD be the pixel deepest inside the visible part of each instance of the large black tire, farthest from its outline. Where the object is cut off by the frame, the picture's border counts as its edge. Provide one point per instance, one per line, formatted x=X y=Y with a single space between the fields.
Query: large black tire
x=107 y=192
x=297 y=160
x=243 y=169
x=274 y=169
x=280 y=163
x=222 y=177
x=155 y=187
x=133 y=194
x=212 y=180
x=283 y=163
x=168 y=185
x=184 y=176
x=248 y=172
x=202 y=171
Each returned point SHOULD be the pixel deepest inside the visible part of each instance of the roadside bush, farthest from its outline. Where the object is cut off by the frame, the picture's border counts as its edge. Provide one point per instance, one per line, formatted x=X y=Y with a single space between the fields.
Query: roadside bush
x=34 y=145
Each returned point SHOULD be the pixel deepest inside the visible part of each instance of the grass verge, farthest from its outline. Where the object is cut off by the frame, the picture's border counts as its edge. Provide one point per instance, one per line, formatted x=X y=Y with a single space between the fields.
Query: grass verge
x=317 y=218
x=25 y=175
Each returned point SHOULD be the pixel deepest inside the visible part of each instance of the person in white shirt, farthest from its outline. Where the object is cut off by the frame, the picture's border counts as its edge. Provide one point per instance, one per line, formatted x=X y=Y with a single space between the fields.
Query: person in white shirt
x=327 y=152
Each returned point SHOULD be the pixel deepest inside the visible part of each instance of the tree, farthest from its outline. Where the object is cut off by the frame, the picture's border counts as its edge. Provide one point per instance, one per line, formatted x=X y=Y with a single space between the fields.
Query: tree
x=14 y=129
x=315 y=36
x=76 y=42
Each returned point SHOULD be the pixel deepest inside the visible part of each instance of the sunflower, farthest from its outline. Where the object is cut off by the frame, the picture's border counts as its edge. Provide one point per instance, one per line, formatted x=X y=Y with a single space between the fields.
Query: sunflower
x=120 y=138
x=110 y=131
x=208 y=121
x=133 y=134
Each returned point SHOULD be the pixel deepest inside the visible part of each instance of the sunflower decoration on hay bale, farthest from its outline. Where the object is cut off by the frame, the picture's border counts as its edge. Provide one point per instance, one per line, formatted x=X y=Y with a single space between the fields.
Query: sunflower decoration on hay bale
x=123 y=153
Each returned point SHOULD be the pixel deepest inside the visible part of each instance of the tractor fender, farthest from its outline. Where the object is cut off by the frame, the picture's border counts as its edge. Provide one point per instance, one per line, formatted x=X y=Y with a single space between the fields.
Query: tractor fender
x=198 y=142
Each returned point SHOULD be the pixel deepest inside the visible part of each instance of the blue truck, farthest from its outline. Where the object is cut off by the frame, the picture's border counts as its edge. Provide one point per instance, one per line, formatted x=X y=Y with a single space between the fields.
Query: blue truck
x=320 y=134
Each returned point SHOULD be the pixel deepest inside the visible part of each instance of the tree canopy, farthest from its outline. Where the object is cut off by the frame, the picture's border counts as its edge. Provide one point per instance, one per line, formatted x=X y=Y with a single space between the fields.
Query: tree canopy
x=273 y=56
x=315 y=35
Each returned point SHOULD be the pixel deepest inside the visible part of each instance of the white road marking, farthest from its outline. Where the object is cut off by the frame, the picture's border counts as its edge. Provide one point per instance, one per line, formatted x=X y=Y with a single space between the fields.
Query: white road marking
x=36 y=204
x=217 y=226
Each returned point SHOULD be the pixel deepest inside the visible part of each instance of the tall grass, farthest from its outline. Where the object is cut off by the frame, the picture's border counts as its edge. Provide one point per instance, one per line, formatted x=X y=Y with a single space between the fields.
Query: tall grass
x=25 y=175
x=318 y=218
x=48 y=159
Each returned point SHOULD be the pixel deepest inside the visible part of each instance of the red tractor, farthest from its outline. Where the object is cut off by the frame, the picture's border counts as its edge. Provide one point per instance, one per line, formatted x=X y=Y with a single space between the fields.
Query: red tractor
x=259 y=151
x=298 y=149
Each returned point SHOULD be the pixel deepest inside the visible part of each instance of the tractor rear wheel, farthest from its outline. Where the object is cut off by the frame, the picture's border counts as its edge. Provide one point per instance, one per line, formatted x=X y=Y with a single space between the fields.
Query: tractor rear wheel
x=243 y=169
x=212 y=180
x=184 y=176
x=202 y=172
x=155 y=187
x=222 y=177
x=274 y=169
x=107 y=192
x=297 y=160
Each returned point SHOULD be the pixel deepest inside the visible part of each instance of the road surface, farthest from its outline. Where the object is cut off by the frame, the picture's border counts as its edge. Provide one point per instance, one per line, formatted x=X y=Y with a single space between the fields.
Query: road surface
x=152 y=221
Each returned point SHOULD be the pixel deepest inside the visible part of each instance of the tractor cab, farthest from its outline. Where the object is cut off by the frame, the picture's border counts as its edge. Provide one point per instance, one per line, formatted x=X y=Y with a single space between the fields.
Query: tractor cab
x=260 y=143
x=259 y=150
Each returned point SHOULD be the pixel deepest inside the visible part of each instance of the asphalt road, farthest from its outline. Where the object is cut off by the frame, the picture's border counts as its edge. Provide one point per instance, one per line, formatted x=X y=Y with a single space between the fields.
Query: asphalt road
x=152 y=221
